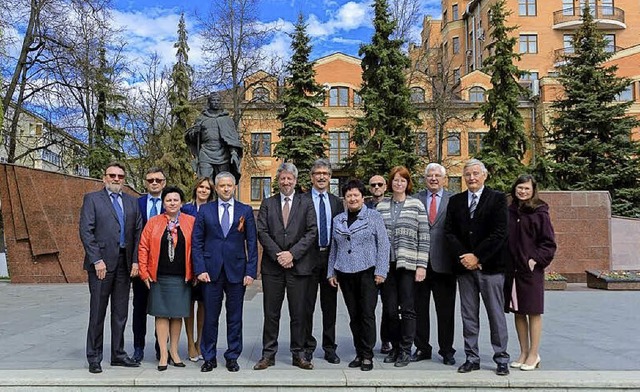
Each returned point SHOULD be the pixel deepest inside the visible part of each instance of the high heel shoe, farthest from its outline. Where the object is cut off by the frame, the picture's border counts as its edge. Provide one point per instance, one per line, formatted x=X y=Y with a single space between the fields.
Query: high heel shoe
x=515 y=364
x=162 y=368
x=174 y=363
x=531 y=367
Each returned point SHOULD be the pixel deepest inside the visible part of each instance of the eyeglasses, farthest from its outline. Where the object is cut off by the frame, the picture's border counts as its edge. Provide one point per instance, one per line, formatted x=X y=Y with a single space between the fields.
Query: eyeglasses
x=318 y=174
x=154 y=180
x=377 y=185
x=114 y=176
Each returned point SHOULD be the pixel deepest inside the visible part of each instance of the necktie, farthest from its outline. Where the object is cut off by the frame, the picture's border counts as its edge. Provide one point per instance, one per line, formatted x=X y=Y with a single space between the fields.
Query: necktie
x=120 y=214
x=324 y=238
x=285 y=211
x=154 y=207
x=225 y=219
x=473 y=205
x=433 y=209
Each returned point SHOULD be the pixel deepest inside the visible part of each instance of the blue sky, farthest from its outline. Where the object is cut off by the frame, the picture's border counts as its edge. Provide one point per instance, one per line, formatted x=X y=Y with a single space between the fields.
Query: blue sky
x=334 y=25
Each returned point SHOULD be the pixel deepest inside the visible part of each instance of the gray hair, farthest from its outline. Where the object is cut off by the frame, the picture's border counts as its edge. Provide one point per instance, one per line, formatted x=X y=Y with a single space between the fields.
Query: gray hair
x=156 y=169
x=287 y=167
x=224 y=174
x=474 y=162
x=321 y=163
x=435 y=166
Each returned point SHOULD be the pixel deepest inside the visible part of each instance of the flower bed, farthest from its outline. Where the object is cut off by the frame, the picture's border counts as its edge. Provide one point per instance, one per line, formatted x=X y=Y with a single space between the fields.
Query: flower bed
x=554 y=281
x=613 y=280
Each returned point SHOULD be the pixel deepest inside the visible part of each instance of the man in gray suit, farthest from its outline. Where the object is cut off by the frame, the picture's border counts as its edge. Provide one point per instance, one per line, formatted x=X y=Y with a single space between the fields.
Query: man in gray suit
x=110 y=226
x=287 y=230
x=440 y=278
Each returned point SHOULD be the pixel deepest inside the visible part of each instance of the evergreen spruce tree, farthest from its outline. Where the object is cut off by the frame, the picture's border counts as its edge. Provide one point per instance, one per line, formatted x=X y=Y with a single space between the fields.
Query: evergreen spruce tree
x=591 y=140
x=505 y=143
x=302 y=134
x=383 y=135
x=175 y=158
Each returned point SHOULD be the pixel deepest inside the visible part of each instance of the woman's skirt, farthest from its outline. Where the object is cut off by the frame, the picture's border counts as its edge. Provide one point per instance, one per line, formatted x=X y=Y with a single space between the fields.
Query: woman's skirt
x=169 y=297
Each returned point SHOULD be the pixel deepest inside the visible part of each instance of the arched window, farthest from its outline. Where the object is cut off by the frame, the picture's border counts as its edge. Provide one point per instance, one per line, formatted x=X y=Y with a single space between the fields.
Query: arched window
x=339 y=96
x=417 y=95
x=261 y=94
x=476 y=94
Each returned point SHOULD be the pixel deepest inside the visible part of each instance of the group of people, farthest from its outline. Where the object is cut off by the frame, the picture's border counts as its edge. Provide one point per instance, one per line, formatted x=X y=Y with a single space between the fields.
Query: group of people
x=403 y=247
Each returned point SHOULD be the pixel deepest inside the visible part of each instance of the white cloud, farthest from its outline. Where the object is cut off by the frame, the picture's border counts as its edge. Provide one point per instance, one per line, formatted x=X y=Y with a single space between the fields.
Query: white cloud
x=346 y=41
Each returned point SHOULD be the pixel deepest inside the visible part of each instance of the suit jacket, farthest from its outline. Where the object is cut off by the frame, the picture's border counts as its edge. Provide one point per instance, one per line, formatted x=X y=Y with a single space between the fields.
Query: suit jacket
x=211 y=250
x=439 y=254
x=485 y=235
x=142 y=204
x=336 y=208
x=298 y=238
x=100 y=230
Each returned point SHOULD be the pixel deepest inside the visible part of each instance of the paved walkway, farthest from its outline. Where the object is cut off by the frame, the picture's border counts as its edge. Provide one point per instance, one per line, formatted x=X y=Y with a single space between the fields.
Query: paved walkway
x=43 y=328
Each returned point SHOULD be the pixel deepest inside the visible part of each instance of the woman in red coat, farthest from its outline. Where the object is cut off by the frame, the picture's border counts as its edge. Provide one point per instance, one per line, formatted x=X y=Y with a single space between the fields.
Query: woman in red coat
x=532 y=246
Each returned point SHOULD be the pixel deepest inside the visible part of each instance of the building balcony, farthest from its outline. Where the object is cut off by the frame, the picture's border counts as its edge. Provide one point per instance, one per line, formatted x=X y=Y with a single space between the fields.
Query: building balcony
x=560 y=55
x=605 y=17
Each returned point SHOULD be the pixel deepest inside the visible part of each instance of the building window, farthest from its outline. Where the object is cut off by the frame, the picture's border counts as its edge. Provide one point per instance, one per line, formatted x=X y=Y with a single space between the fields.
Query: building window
x=338 y=147
x=530 y=75
x=453 y=143
x=592 y=6
x=455 y=184
x=261 y=144
x=417 y=95
x=455 y=45
x=444 y=18
x=567 y=8
x=454 y=12
x=527 y=7
x=606 y=6
x=339 y=96
x=357 y=99
x=626 y=95
x=422 y=145
x=260 y=188
x=567 y=43
x=51 y=157
x=456 y=76
x=474 y=144
x=261 y=94
x=528 y=43
x=610 y=46
x=476 y=94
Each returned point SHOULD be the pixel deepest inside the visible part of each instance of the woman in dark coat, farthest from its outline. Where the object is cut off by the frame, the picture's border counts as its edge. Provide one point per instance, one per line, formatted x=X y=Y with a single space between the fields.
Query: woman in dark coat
x=532 y=246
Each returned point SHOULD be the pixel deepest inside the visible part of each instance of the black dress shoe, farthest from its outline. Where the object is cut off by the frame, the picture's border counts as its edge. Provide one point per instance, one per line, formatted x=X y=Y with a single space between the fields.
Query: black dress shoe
x=420 y=355
x=126 y=362
x=95 y=368
x=308 y=356
x=468 y=366
x=208 y=366
x=264 y=363
x=301 y=363
x=357 y=362
x=232 y=365
x=449 y=360
x=502 y=369
x=386 y=348
x=138 y=354
x=392 y=357
x=403 y=360
x=367 y=365
x=332 y=358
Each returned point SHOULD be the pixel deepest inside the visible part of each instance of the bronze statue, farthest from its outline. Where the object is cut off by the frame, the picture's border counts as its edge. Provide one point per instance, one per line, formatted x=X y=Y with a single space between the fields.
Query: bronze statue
x=214 y=141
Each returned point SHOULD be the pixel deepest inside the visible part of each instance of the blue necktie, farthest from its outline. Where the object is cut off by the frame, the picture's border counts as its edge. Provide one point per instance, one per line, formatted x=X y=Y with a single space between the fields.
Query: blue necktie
x=154 y=207
x=120 y=214
x=225 y=219
x=324 y=238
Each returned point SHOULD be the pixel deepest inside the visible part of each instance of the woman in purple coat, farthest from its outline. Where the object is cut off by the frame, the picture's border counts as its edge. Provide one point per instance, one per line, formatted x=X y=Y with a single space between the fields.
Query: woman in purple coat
x=532 y=246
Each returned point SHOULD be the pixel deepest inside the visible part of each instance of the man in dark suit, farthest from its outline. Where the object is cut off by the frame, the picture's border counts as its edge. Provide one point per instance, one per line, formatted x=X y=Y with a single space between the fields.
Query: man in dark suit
x=110 y=226
x=150 y=205
x=476 y=230
x=440 y=278
x=225 y=260
x=287 y=230
x=326 y=207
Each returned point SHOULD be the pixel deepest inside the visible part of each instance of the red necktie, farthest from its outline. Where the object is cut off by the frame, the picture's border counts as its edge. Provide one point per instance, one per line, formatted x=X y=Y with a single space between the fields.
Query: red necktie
x=433 y=210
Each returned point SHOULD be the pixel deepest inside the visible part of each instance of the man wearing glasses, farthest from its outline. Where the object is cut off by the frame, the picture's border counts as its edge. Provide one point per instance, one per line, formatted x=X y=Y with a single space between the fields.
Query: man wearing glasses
x=110 y=226
x=377 y=188
x=150 y=205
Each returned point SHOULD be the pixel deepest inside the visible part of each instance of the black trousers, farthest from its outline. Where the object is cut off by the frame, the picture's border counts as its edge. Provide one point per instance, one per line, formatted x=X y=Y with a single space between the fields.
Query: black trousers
x=398 y=304
x=113 y=288
x=274 y=288
x=443 y=287
x=328 y=305
x=361 y=297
